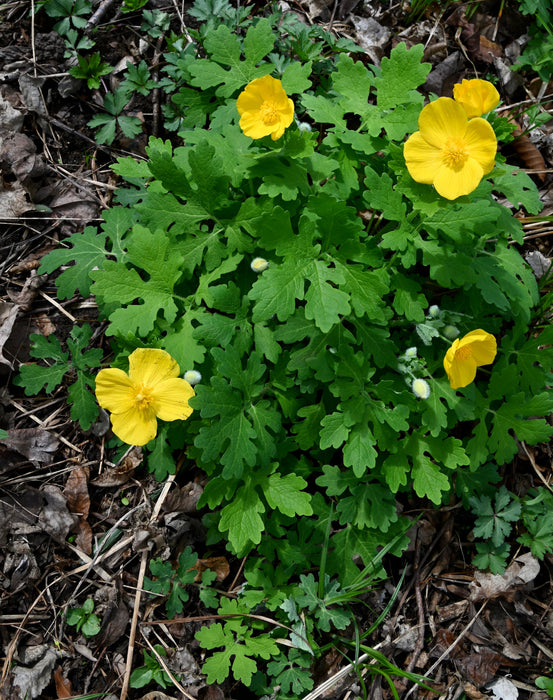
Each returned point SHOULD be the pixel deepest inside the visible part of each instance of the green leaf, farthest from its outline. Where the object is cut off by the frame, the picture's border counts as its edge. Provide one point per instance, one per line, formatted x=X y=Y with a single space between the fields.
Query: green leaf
x=119 y=284
x=296 y=77
x=87 y=252
x=83 y=403
x=34 y=378
x=285 y=493
x=242 y=520
x=401 y=74
x=353 y=81
x=325 y=304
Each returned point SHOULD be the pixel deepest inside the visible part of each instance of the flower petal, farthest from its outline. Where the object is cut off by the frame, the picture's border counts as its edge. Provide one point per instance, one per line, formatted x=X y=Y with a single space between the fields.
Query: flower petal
x=455 y=182
x=253 y=127
x=476 y=96
x=483 y=346
x=114 y=390
x=481 y=143
x=135 y=426
x=149 y=366
x=422 y=159
x=441 y=120
x=170 y=399
x=462 y=373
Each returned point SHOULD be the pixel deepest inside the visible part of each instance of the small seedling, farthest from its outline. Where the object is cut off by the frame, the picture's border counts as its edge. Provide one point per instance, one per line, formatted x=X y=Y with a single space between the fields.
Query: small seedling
x=84 y=619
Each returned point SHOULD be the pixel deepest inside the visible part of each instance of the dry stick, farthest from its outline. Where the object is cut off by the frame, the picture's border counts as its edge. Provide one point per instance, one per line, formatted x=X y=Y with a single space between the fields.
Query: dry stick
x=420 y=637
x=42 y=424
x=162 y=662
x=139 y=585
x=535 y=466
x=449 y=649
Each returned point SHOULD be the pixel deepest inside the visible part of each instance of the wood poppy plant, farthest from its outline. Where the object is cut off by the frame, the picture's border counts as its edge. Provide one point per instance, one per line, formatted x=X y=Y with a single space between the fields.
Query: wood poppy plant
x=264 y=108
x=449 y=151
x=466 y=354
x=152 y=389
x=476 y=97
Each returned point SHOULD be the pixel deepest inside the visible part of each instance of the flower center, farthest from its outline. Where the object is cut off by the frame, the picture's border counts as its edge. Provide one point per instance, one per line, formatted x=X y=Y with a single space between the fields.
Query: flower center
x=143 y=397
x=455 y=153
x=269 y=113
x=463 y=353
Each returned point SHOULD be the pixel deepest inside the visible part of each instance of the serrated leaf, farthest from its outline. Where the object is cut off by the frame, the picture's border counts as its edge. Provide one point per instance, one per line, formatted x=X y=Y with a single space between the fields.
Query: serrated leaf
x=87 y=252
x=285 y=493
x=83 y=403
x=402 y=73
x=242 y=520
x=296 y=77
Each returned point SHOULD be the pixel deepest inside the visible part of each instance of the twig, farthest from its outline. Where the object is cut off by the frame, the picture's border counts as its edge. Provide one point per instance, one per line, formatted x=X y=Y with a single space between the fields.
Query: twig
x=134 y=625
x=167 y=670
x=535 y=466
x=420 y=637
x=44 y=425
x=97 y=16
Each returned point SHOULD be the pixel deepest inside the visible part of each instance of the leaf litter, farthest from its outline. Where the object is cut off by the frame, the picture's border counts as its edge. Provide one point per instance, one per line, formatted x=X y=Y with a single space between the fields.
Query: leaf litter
x=55 y=501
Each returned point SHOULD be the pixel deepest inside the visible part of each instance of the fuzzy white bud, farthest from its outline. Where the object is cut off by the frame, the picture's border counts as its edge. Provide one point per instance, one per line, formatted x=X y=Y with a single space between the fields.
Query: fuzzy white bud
x=410 y=353
x=193 y=377
x=259 y=264
x=451 y=332
x=304 y=126
x=421 y=388
x=434 y=311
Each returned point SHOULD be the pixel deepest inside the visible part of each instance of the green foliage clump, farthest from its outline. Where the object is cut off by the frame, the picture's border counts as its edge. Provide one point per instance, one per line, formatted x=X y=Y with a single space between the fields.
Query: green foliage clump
x=305 y=421
x=84 y=619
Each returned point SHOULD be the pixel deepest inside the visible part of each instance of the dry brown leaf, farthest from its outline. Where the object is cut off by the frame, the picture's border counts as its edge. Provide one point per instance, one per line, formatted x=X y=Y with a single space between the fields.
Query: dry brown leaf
x=122 y=472
x=114 y=624
x=157 y=695
x=183 y=500
x=519 y=573
x=84 y=537
x=76 y=492
x=36 y=444
x=219 y=565
x=63 y=685
x=8 y=314
x=479 y=668
x=55 y=518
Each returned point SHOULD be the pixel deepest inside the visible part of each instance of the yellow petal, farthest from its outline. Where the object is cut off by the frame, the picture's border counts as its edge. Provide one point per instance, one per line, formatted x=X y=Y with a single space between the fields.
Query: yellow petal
x=481 y=143
x=135 y=427
x=253 y=127
x=248 y=101
x=149 y=366
x=462 y=373
x=170 y=399
x=476 y=96
x=114 y=390
x=441 y=120
x=483 y=346
x=422 y=159
x=455 y=182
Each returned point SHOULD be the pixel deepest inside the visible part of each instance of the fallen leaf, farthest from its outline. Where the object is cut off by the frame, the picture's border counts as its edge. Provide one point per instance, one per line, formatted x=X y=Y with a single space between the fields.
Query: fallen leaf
x=76 y=492
x=114 y=624
x=519 y=573
x=8 y=314
x=122 y=472
x=32 y=679
x=13 y=201
x=63 y=685
x=218 y=564
x=55 y=518
x=183 y=500
x=479 y=668
x=503 y=689
x=84 y=536
x=36 y=444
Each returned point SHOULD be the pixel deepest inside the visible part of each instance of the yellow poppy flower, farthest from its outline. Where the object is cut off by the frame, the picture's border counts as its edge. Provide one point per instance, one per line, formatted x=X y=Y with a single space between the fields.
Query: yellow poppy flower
x=264 y=108
x=449 y=151
x=476 y=97
x=473 y=350
x=152 y=389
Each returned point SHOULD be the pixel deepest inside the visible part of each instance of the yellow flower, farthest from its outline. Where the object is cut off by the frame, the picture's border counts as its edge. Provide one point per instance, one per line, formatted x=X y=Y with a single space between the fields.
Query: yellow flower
x=473 y=350
x=449 y=151
x=264 y=108
x=476 y=97
x=152 y=389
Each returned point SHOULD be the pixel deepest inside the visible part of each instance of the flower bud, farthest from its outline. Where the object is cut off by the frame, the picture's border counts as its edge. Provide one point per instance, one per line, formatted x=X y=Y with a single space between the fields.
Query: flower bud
x=304 y=126
x=193 y=377
x=410 y=353
x=259 y=264
x=434 y=311
x=420 y=388
x=451 y=332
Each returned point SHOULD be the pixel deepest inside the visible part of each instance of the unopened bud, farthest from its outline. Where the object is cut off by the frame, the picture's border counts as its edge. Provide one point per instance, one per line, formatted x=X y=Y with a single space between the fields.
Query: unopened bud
x=193 y=377
x=304 y=126
x=451 y=332
x=410 y=353
x=420 y=388
x=259 y=264
x=434 y=311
